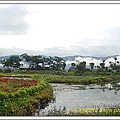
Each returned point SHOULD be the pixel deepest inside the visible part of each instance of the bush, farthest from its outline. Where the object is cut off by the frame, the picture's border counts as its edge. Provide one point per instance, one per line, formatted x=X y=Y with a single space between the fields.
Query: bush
x=21 y=102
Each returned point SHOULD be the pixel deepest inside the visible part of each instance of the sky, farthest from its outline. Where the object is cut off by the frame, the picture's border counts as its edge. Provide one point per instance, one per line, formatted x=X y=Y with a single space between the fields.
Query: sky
x=60 y=29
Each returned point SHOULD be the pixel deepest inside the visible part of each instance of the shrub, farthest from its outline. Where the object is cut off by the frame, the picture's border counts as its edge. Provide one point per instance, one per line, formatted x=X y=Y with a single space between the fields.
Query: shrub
x=21 y=102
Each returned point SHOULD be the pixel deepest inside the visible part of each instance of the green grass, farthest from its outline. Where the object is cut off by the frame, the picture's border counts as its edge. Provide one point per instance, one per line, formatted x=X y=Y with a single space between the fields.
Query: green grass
x=69 y=77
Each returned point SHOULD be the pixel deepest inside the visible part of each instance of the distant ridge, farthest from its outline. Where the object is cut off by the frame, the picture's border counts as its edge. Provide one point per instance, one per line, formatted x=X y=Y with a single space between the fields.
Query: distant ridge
x=72 y=58
x=4 y=57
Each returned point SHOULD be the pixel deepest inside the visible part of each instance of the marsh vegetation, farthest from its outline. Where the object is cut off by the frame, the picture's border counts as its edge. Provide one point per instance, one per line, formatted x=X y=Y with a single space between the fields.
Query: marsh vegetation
x=51 y=91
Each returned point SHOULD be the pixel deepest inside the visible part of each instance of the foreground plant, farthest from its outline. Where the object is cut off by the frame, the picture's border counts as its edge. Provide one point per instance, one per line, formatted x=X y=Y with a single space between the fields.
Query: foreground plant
x=25 y=99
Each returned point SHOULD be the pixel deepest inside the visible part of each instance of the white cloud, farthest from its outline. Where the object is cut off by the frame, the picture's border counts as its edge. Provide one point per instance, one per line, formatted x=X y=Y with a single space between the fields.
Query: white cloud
x=62 y=29
x=12 y=20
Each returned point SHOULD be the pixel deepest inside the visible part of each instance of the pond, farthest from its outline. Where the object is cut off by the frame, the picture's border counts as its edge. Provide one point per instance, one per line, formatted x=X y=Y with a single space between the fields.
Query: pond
x=80 y=96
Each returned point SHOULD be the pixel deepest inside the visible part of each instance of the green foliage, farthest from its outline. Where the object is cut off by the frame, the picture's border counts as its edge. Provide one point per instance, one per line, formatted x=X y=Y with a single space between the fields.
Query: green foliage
x=73 y=64
x=36 y=62
x=21 y=102
x=102 y=65
x=3 y=96
x=81 y=66
x=57 y=63
x=91 y=65
x=13 y=62
x=77 y=79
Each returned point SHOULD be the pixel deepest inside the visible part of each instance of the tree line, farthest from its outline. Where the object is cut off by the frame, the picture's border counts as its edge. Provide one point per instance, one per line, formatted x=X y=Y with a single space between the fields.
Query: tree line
x=40 y=62
x=34 y=62
x=81 y=66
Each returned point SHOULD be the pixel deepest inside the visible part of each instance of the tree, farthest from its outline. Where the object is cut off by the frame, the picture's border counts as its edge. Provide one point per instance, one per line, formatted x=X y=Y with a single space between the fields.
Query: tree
x=36 y=60
x=115 y=65
x=102 y=65
x=13 y=61
x=5 y=63
x=63 y=66
x=115 y=59
x=98 y=67
x=91 y=65
x=57 y=63
x=73 y=65
x=81 y=66
x=26 y=58
x=33 y=61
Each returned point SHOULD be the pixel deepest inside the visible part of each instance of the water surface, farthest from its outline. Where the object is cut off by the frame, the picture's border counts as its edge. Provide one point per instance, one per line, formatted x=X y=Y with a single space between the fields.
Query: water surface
x=79 y=96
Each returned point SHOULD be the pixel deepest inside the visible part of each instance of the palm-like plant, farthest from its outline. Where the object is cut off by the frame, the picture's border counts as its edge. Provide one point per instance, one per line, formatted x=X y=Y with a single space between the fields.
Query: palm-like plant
x=91 y=65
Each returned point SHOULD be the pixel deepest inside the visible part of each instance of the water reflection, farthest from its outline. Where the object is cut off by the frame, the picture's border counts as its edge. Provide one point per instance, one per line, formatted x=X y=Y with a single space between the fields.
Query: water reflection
x=79 y=96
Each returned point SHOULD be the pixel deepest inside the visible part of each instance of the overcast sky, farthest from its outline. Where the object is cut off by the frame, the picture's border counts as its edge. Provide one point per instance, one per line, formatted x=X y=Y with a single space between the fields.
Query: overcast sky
x=60 y=29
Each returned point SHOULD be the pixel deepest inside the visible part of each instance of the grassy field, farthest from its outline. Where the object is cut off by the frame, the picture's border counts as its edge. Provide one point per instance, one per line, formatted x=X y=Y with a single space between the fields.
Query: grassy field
x=69 y=77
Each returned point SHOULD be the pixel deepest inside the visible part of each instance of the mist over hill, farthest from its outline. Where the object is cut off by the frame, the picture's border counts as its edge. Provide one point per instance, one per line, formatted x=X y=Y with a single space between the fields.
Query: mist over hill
x=72 y=58
x=78 y=58
x=88 y=59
